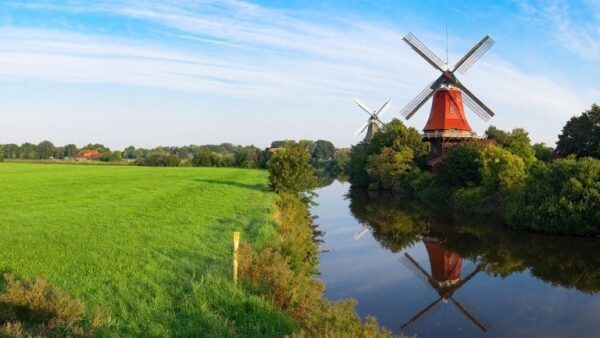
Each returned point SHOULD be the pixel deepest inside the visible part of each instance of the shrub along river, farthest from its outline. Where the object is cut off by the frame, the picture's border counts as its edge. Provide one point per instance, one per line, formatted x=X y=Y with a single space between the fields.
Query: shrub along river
x=426 y=273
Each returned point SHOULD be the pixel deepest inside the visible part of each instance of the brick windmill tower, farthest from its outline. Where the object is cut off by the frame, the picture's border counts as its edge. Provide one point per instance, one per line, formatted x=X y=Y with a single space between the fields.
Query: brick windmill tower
x=447 y=120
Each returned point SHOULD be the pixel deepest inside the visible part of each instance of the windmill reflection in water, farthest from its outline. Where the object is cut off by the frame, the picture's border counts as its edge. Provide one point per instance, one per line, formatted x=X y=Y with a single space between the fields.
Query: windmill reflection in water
x=445 y=278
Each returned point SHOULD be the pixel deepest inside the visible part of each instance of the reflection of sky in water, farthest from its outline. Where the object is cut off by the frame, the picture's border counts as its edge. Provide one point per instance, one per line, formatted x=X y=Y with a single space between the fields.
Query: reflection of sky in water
x=519 y=305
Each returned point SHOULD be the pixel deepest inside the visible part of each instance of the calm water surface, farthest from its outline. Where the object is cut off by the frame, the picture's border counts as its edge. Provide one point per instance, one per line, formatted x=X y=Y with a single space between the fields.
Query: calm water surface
x=430 y=275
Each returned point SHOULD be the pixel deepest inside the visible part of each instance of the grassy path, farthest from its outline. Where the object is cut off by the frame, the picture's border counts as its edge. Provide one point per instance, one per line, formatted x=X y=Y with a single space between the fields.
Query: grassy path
x=149 y=246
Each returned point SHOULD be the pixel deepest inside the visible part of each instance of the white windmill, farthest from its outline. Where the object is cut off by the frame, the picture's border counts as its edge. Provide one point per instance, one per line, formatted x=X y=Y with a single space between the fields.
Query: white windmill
x=373 y=123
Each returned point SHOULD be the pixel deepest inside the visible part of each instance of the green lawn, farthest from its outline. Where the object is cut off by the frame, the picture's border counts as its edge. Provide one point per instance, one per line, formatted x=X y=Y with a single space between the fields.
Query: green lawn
x=151 y=247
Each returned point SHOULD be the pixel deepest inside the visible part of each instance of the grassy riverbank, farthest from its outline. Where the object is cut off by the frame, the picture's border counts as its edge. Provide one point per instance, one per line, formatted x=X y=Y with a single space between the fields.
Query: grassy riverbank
x=148 y=247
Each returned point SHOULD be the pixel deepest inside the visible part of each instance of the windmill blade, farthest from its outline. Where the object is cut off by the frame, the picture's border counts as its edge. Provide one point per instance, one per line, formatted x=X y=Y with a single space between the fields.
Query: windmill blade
x=363 y=107
x=475 y=104
x=426 y=312
x=474 y=54
x=469 y=312
x=418 y=270
x=382 y=109
x=467 y=277
x=359 y=131
x=361 y=232
x=413 y=106
x=425 y=52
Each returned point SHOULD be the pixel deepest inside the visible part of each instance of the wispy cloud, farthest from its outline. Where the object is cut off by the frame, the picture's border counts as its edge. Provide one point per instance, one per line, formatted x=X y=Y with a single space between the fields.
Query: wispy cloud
x=575 y=25
x=312 y=62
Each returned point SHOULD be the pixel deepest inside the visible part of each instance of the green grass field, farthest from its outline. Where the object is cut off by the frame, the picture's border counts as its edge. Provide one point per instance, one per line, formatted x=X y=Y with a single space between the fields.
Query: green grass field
x=150 y=247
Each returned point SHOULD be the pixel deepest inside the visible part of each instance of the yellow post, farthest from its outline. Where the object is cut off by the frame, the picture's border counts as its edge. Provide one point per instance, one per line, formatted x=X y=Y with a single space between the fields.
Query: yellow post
x=236 y=244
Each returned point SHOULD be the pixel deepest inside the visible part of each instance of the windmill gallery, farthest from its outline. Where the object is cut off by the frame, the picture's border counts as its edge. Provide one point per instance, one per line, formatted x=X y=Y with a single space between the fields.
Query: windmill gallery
x=447 y=123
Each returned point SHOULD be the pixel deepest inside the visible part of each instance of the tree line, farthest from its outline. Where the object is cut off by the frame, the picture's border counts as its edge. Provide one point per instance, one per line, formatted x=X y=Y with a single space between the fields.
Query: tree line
x=323 y=154
x=530 y=186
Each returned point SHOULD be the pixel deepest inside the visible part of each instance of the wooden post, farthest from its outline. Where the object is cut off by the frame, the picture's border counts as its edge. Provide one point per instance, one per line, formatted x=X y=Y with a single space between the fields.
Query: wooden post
x=236 y=244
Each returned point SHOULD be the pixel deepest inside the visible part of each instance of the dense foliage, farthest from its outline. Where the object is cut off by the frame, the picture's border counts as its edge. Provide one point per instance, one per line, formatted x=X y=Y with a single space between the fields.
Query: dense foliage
x=505 y=176
x=581 y=135
x=290 y=170
x=388 y=158
x=561 y=197
x=462 y=166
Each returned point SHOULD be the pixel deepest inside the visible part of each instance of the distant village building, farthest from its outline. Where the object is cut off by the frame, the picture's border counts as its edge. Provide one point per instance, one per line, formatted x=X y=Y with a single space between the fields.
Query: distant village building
x=89 y=154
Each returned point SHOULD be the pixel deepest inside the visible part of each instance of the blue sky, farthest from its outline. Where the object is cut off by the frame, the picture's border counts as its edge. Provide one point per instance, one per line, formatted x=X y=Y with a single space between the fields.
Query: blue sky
x=154 y=73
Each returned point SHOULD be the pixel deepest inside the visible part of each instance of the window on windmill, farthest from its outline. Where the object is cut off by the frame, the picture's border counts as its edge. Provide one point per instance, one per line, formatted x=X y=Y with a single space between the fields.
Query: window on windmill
x=452 y=109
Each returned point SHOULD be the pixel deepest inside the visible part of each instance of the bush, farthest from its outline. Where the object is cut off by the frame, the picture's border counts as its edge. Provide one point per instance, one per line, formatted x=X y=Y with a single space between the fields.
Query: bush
x=290 y=170
x=561 y=197
x=35 y=308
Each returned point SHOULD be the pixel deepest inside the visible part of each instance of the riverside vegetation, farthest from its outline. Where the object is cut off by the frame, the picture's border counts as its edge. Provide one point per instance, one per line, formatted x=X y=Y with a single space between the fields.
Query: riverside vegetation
x=284 y=271
x=130 y=251
x=511 y=179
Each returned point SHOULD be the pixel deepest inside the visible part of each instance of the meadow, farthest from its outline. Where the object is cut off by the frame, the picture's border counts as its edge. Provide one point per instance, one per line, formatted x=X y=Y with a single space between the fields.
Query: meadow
x=147 y=248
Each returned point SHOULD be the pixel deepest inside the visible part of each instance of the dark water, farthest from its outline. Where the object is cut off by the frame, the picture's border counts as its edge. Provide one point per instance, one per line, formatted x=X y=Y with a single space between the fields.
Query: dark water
x=431 y=275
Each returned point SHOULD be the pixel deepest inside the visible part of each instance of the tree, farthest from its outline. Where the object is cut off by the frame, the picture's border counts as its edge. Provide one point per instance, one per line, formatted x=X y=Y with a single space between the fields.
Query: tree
x=462 y=166
x=520 y=145
x=342 y=159
x=45 y=150
x=581 y=135
x=542 y=152
x=277 y=144
x=501 y=169
x=131 y=153
x=500 y=136
x=205 y=158
x=116 y=156
x=28 y=151
x=290 y=170
x=393 y=135
x=248 y=157
x=324 y=150
x=389 y=166
x=11 y=151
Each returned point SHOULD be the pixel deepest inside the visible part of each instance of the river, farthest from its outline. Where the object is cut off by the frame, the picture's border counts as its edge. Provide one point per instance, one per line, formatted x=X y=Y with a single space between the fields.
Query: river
x=435 y=275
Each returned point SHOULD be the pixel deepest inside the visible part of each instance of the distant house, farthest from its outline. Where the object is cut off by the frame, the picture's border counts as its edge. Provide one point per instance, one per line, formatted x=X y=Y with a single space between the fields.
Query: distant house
x=89 y=154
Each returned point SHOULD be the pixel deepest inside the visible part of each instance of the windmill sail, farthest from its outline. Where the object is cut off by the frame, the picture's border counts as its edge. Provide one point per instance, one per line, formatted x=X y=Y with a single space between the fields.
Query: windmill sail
x=373 y=124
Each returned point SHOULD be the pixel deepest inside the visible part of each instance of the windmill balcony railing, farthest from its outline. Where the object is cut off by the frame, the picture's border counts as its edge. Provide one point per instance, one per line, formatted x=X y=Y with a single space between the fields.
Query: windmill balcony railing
x=451 y=134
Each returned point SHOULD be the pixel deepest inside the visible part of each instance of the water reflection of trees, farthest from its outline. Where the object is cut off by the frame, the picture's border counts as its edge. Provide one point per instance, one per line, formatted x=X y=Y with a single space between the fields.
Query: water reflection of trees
x=571 y=262
x=390 y=224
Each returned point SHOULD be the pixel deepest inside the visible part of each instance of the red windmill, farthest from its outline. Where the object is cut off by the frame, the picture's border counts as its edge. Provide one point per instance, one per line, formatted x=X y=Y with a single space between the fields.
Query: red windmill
x=447 y=120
